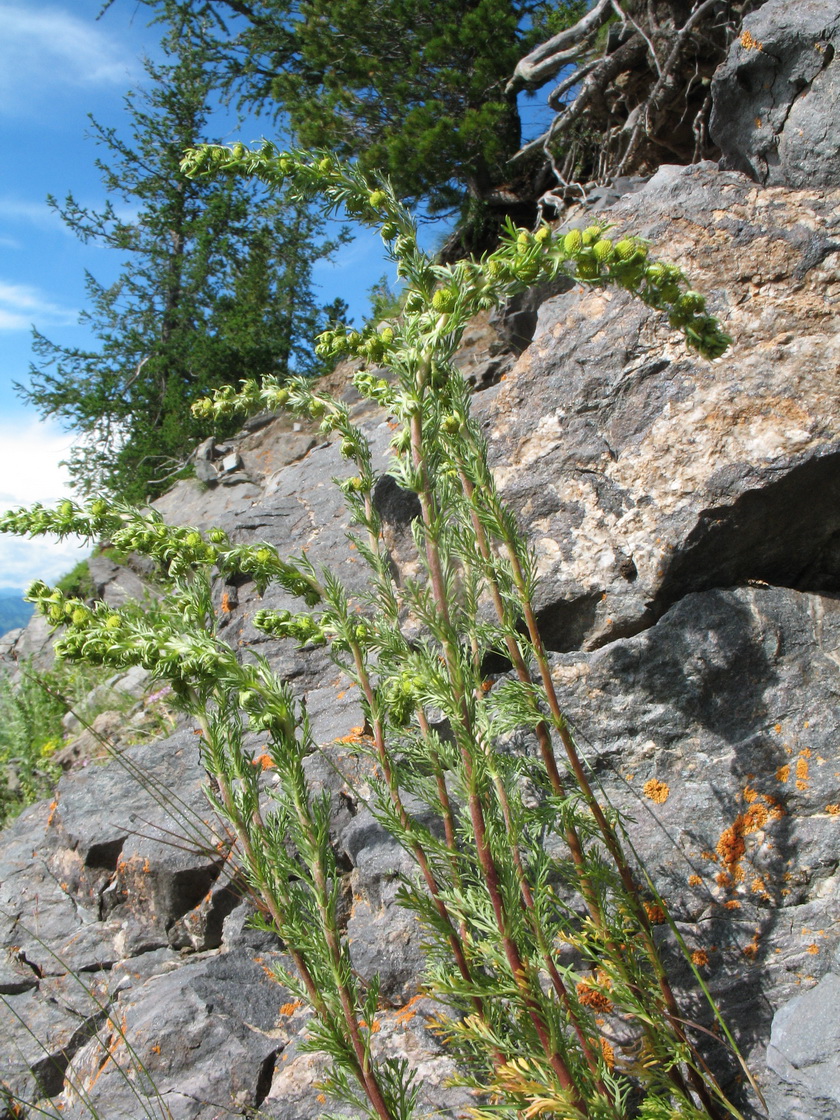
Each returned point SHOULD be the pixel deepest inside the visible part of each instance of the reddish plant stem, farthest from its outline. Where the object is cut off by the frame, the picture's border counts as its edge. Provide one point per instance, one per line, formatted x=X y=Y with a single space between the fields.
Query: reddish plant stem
x=517 y=966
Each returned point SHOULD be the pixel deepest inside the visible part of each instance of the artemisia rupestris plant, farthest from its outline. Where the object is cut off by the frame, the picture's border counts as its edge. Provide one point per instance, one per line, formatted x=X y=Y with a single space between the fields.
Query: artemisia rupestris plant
x=558 y=1000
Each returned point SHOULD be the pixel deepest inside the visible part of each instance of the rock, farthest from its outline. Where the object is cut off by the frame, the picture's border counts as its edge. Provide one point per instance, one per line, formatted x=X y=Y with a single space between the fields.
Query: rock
x=199 y=1034
x=714 y=731
x=775 y=100
x=803 y=1053
x=640 y=472
x=115 y=583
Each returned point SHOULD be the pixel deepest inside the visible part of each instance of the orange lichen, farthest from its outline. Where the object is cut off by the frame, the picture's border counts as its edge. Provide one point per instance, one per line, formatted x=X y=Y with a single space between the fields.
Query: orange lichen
x=264 y=761
x=407 y=1013
x=802 y=771
x=656 y=791
x=833 y=809
x=695 y=881
x=608 y=1053
x=592 y=998
x=226 y=603
x=731 y=846
x=758 y=886
x=700 y=958
x=733 y=904
x=783 y=773
x=356 y=735
x=750 y=795
x=156 y=1049
x=291 y=1008
x=751 y=951
x=655 y=913
x=813 y=949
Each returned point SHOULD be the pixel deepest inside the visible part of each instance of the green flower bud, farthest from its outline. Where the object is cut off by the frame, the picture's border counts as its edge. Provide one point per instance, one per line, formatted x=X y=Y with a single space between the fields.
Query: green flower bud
x=66 y=509
x=591 y=234
x=325 y=165
x=573 y=241
x=443 y=300
x=603 y=250
x=626 y=249
x=387 y=335
x=588 y=269
x=693 y=302
x=98 y=508
x=451 y=423
x=523 y=239
x=239 y=150
x=217 y=536
x=193 y=540
x=389 y=231
x=377 y=198
x=317 y=409
x=347 y=448
x=113 y=622
x=79 y=616
x=542 y=235
x=280 y=396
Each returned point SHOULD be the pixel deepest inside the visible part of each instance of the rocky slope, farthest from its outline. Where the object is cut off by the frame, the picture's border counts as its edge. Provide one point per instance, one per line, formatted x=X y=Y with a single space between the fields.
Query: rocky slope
x=686 y=517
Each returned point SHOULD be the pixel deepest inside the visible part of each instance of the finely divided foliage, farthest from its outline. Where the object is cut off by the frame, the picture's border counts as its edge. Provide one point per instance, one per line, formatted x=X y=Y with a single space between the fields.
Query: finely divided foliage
x=557 y=1000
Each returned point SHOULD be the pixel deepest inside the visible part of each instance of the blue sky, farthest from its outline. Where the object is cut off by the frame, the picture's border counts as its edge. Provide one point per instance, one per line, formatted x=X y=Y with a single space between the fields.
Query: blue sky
x=58 y=63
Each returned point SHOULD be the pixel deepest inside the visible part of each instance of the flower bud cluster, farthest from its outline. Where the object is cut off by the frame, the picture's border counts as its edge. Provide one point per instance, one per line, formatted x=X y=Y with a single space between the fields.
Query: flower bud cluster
x=283 y=624
x=370 y=344
x=96 y=520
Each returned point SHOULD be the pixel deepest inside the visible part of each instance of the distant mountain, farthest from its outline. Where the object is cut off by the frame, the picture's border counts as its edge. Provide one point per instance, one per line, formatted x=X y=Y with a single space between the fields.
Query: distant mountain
x=13 y=611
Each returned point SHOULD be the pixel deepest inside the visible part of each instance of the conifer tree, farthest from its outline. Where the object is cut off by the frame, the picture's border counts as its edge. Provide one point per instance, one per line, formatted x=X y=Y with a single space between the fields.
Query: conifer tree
x=411 y=89
x=216 y=285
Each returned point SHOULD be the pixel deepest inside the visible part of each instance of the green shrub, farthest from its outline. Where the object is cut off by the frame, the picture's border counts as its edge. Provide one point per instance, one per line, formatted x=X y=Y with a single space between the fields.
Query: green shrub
x=529 y=1026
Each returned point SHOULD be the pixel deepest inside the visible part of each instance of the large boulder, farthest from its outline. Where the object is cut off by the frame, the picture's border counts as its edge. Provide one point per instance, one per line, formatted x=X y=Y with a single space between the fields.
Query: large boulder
x=641 y=472
x=776 y=98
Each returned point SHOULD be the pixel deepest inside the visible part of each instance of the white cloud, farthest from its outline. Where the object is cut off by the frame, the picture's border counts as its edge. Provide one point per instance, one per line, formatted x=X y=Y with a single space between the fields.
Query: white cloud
x=46 y=48
x=21 y=304
x=30 y=454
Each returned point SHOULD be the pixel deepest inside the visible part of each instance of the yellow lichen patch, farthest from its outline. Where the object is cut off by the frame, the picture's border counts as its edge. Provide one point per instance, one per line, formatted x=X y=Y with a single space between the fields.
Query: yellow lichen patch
x=656 y=791
x=783 y=773
x=758 y=886
x=700 y=958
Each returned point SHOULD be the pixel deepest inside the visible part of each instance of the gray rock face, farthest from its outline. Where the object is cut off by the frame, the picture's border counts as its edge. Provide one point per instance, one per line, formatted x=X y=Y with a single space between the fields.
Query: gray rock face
x=685 y=519
x=776 y=99
x=641 y=473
